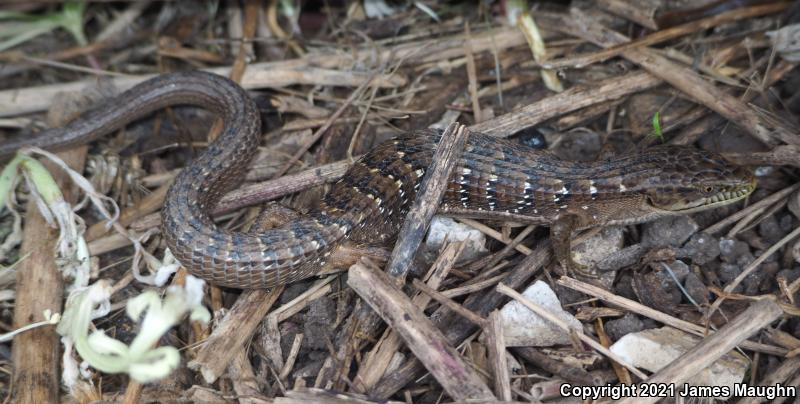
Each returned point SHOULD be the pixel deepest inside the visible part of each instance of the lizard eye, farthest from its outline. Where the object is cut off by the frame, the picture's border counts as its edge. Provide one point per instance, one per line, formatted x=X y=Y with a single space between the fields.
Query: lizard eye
x=708 y=189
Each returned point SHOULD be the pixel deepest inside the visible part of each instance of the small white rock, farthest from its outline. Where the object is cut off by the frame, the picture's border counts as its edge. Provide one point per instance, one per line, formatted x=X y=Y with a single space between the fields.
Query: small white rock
x=597 y=247
x=524 y=328
x=655 y=348
x=446 y=228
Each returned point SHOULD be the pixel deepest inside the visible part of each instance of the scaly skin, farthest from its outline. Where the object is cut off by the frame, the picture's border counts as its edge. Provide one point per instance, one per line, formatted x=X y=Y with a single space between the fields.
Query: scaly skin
x=494 y=178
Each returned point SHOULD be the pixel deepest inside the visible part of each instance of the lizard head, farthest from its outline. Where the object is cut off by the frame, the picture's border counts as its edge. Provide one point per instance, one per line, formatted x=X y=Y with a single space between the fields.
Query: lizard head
x=696 y=180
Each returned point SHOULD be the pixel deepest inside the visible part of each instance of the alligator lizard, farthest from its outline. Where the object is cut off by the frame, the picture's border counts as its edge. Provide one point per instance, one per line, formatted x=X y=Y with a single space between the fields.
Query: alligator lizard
x=493 y=176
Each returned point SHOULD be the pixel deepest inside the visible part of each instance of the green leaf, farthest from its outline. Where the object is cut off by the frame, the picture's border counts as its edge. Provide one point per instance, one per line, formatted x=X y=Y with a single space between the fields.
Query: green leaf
x=24 y=27
x=657 y=133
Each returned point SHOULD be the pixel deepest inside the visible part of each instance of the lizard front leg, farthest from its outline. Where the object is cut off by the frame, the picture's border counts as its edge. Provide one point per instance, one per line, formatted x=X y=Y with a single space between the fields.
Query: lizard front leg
x=561 y=237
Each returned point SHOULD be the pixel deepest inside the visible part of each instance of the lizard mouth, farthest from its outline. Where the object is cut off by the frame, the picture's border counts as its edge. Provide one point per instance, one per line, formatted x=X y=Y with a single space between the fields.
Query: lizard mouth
x=725 y=195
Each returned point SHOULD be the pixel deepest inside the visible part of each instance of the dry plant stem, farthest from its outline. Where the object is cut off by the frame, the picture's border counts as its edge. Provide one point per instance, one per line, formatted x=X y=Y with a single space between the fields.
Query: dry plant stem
x=268 y=190
x=497 y=356
x=149 y=204
x=133 y=393
x=757 y=316
x=292 y=357
x=295 y=71
x=636 y=11
x=259 y=75
x=122 y=21
x=584 y=116
x=324 y=128
x=296 y=305
x=581 y=61
x=245 y=48
x=244 y=379
x=357 y=131
x=693 y=132
x=275 y=28
x=379 y=358
x=431 y=191
x=108 y=243
x=245 y=44
x=786 y=155
x=39 y=287
x=453 y=325
x=780 y=375
x=232 y=332
x=622 y=374
x=510 y=246
x=472 y=77
x=450 y=304
x=751 y=268
x=570 y=100
x=684 y=79
x=303 y=395
x=270 y=343
x=427 y=343
x=14 y=64
x=494 y=234
x=762 y=204
x=472 y=287
x=748 y=220
x=573 y=374
x=638 y=308
x=545 y=314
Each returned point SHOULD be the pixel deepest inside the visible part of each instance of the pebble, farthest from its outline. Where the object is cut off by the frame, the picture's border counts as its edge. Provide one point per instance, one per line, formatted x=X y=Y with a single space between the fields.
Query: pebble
x=701 y=248
x=696 y=289
x=670 y=231
x=524 y=328
x=735 y=252
x=655 y=348
x=444 y=228
x=770 y=230
x=623 y=326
